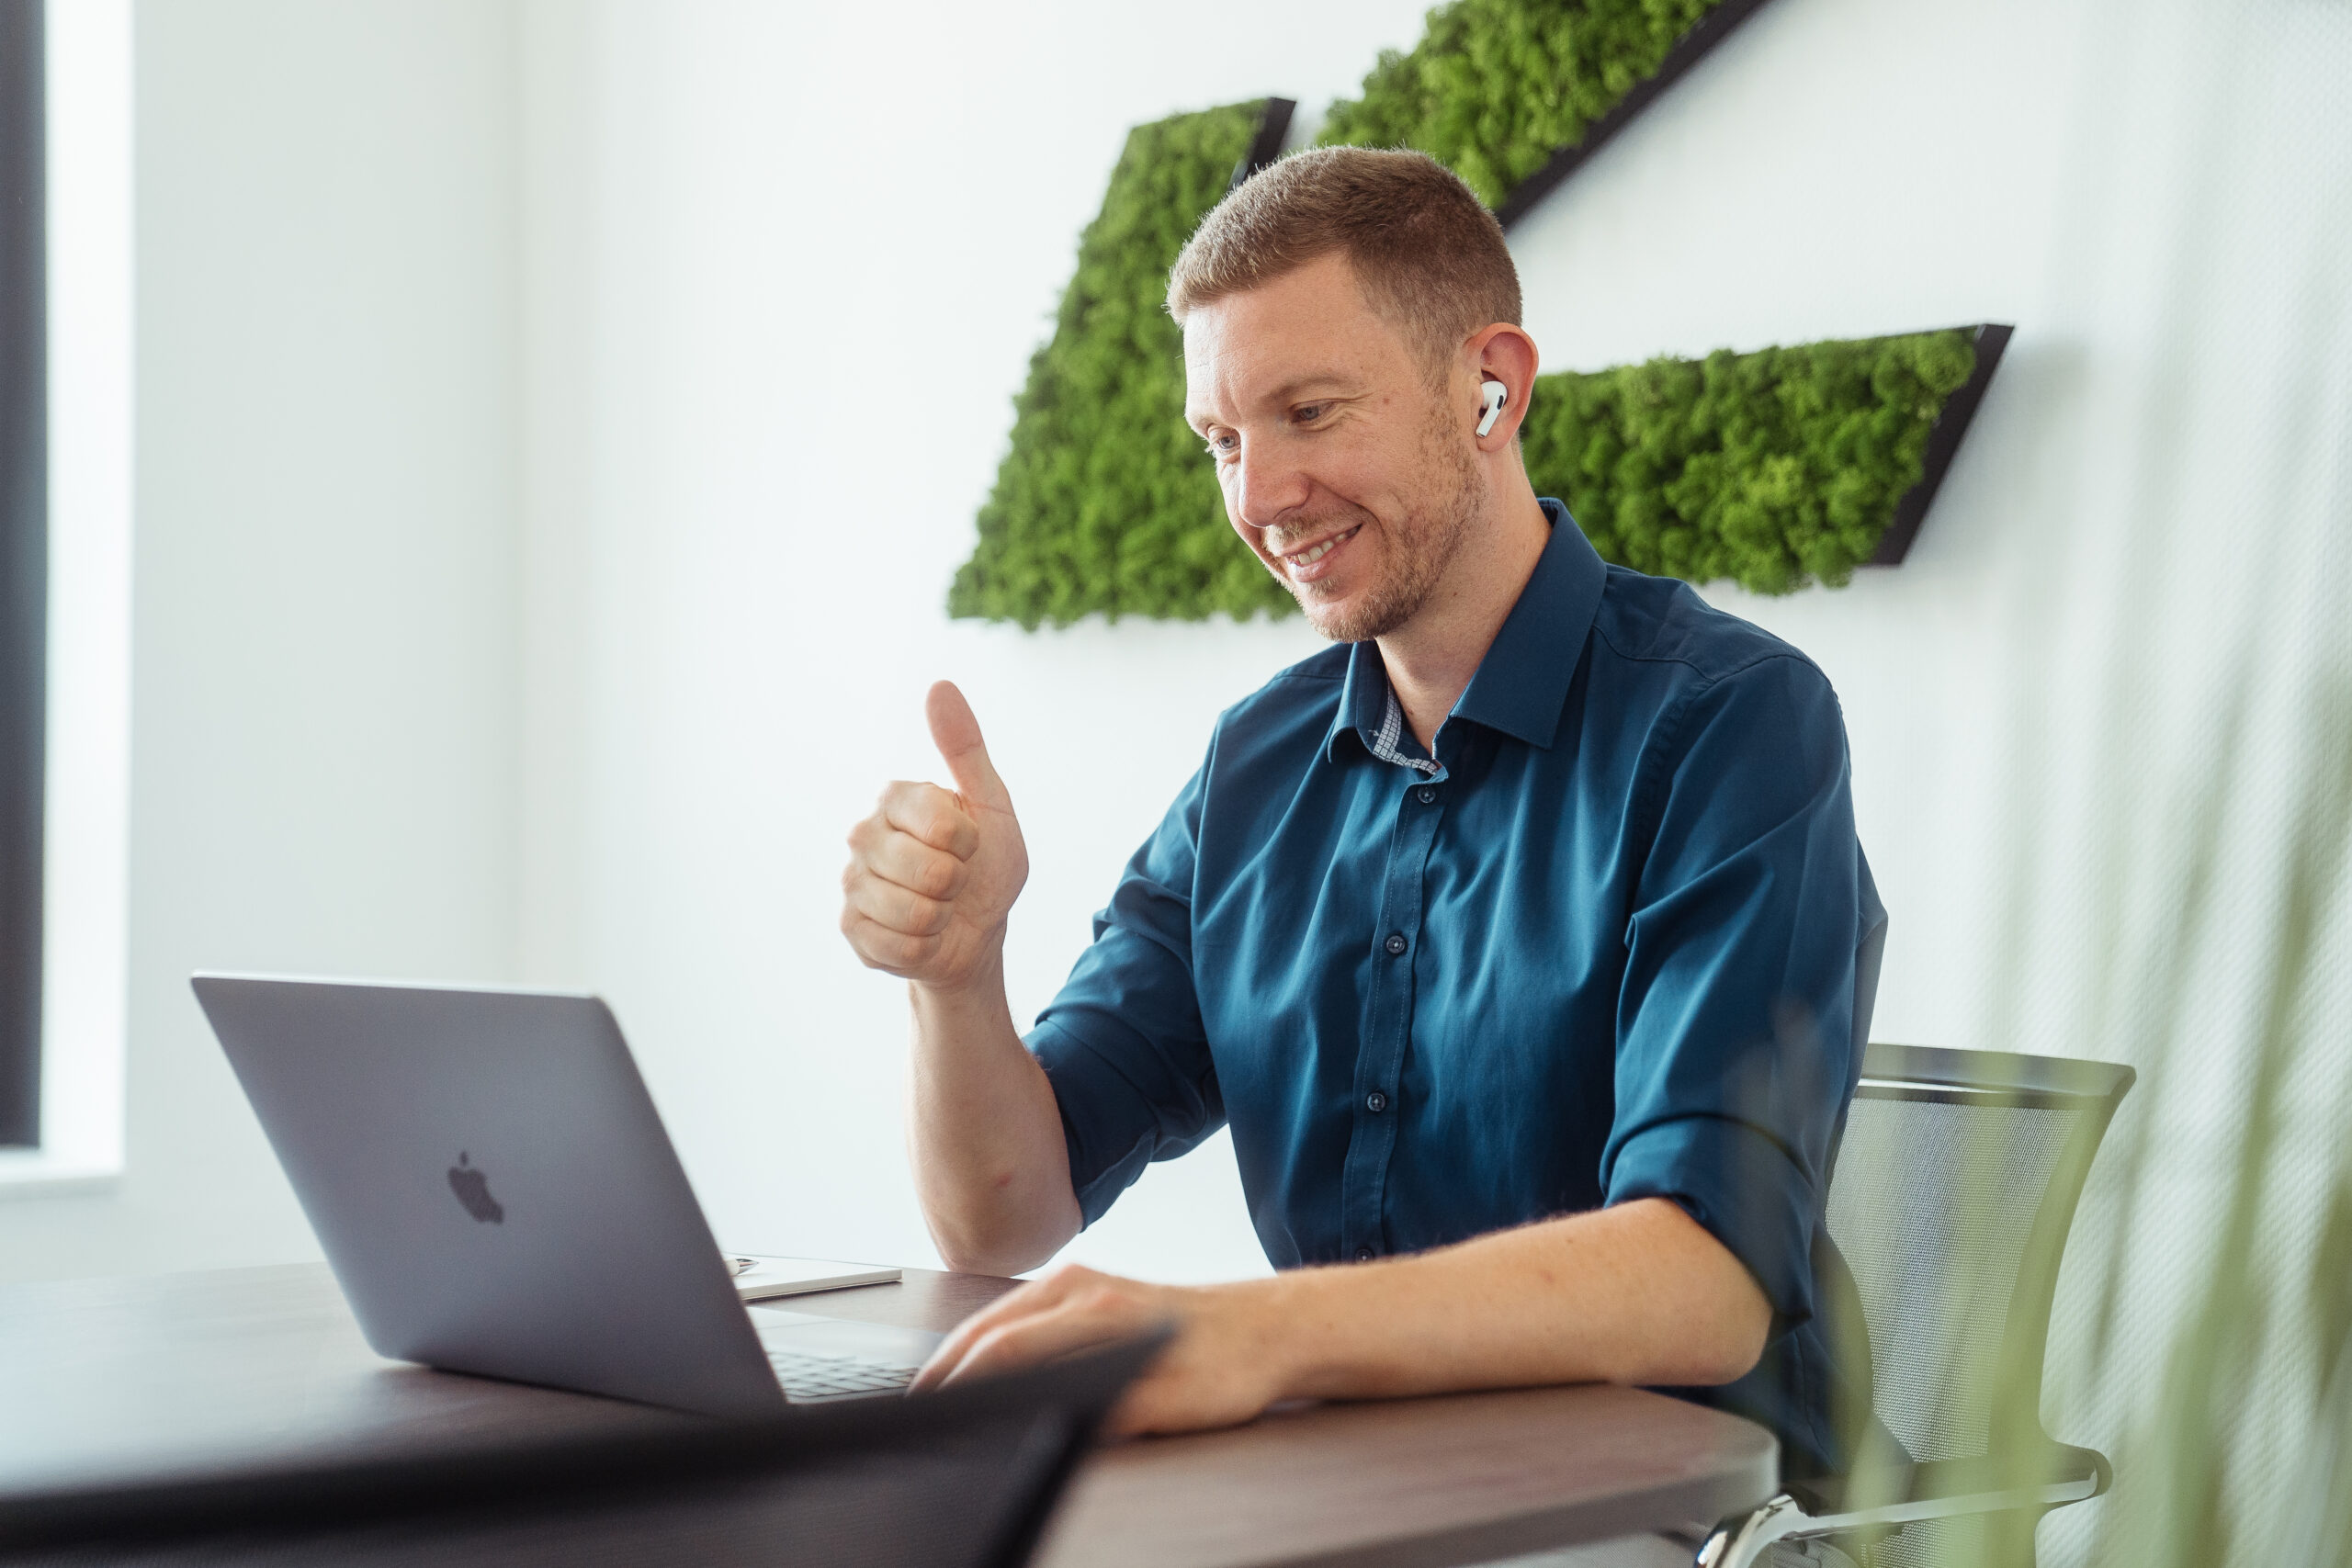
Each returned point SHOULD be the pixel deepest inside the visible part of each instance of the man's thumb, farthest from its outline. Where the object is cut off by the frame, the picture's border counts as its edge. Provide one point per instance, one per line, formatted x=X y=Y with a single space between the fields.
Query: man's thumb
x=957 y=735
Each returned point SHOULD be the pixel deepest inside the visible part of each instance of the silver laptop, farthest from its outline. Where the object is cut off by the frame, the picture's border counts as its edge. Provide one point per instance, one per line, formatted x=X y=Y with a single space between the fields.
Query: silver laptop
x=495 y=1194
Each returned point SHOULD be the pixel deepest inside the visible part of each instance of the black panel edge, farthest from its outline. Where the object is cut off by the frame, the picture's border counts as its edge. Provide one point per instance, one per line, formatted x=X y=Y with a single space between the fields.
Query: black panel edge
x=1943 y=444
x=1689 y=50
x=335 y=1490
x=1274 y=126
x=24 y=559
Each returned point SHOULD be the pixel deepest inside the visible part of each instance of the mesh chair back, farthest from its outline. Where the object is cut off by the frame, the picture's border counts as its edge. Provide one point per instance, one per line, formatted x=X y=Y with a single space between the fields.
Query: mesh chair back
x=1955 y=1185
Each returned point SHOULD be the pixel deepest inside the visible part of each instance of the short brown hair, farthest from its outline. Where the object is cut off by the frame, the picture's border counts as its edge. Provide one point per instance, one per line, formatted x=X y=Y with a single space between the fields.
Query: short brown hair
x=1429 y=254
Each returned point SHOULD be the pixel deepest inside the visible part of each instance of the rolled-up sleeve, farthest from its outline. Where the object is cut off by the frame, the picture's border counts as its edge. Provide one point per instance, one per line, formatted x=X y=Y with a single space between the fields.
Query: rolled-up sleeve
x=1736 y=1022
x=1123 y=1042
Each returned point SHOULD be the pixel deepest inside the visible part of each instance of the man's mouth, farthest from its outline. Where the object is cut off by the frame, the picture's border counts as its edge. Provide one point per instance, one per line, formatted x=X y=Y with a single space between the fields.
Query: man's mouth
x=1306 y=565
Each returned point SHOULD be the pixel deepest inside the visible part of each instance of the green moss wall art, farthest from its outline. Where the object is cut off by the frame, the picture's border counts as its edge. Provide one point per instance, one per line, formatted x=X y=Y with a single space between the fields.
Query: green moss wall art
x=1106 y=502
x=1506 y=92
x=1775 y=470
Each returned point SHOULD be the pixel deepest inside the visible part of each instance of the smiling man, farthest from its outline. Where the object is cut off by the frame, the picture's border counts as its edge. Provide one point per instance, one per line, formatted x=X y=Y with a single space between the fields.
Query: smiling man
x=1522 y=938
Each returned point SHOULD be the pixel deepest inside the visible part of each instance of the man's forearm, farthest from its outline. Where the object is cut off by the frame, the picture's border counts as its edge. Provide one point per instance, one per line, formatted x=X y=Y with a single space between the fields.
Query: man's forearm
x=1638 y=1294
x=990 y=1168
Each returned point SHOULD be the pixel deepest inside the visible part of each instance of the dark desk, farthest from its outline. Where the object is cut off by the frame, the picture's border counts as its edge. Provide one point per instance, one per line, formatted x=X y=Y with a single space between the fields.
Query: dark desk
x=143 y=1373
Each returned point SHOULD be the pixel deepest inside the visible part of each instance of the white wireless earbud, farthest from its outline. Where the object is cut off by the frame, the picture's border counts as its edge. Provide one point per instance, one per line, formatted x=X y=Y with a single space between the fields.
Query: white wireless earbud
x=1492 y=396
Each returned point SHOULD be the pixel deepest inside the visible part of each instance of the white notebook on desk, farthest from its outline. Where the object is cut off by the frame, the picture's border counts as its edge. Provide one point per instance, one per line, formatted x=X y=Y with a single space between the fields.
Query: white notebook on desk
x=758 y=1278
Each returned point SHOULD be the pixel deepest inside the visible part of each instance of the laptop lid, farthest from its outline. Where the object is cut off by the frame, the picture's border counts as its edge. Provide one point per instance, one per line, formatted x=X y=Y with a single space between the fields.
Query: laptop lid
x=493 y=1187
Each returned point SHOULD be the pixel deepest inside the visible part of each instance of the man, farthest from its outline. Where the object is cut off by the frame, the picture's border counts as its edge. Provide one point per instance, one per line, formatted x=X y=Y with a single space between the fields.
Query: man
x=1523 y=939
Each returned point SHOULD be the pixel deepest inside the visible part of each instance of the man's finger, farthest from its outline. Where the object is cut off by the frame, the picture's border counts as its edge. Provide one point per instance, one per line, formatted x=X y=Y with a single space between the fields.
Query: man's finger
x=1061 y=1330
x=878 y=947
x=914 y=865
x=957 y=735
x=1070 y=1284
x=893 y=907
x=1034 y=1296
x=930 y=814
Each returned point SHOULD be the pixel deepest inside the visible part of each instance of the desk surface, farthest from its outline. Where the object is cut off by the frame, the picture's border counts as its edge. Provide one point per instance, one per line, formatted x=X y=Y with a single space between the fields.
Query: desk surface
x=155 y=1372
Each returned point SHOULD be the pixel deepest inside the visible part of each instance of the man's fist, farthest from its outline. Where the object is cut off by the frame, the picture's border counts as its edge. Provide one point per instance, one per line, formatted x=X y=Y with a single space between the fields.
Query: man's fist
x=932 y=874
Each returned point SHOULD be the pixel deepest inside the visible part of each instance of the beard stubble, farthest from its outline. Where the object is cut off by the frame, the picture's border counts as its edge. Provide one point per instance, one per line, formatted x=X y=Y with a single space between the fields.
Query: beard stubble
x=1421 y=544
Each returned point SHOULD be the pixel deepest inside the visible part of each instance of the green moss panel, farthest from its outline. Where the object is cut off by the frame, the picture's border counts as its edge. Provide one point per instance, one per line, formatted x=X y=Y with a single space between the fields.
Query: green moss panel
x=1773 y=470
x=1495 y=87
x=1106 y=502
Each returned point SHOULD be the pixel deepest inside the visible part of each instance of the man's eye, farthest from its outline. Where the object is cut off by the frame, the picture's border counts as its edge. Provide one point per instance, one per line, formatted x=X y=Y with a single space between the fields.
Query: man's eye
x=1307 y=413
x=1222 y=444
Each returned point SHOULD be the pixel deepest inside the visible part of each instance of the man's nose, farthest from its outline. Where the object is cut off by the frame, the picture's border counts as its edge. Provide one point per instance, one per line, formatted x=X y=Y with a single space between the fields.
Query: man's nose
x=1266 y=485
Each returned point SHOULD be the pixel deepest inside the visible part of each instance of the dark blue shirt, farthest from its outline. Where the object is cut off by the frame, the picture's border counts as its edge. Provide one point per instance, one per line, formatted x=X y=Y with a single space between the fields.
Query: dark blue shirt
x=1605 y=944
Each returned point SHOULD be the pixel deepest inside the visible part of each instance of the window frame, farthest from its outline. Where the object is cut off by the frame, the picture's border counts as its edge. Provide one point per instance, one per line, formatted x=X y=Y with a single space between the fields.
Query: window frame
x=88 y=143
x=24 y=561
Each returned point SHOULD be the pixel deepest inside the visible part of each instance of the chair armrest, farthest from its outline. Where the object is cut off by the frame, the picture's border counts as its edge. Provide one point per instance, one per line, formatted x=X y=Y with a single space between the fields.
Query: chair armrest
x=2082 y=1472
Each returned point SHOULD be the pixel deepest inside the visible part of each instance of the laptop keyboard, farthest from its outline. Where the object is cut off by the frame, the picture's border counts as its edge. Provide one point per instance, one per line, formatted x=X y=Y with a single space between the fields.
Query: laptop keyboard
x=808 y=1380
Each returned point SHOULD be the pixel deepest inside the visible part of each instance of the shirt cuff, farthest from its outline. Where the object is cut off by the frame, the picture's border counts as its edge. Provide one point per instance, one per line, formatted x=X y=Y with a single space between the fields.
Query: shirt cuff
x=1740 y=1184
x=1108 y=1143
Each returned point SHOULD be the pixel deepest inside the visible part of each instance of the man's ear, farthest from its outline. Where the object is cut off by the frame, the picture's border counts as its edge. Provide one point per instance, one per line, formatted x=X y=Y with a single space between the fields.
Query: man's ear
x=1506 y=353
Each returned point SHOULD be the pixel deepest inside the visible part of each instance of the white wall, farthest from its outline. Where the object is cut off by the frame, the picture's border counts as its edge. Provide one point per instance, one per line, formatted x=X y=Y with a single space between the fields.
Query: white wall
x=774 y=338
x=324 y=662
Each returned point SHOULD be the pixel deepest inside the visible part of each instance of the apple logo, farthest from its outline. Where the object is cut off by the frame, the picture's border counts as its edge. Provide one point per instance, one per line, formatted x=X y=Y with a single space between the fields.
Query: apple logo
x=472 y=1189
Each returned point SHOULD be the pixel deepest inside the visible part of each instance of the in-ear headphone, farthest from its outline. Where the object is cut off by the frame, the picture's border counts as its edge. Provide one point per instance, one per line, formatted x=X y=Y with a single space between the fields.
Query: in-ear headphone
x=1492 y=396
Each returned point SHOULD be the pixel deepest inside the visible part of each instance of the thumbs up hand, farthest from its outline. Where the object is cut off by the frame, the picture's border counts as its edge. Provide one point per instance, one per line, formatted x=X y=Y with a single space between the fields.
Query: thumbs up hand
x=932 y=873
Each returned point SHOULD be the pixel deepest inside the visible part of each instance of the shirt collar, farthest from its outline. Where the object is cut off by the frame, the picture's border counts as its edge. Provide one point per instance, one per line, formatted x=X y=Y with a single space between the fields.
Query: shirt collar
x=1523 y=682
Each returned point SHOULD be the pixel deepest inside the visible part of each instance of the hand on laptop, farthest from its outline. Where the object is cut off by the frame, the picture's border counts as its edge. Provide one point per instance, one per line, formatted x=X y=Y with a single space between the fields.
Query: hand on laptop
x=1638 y=1292
x=934 y=874
x=1218 y=1370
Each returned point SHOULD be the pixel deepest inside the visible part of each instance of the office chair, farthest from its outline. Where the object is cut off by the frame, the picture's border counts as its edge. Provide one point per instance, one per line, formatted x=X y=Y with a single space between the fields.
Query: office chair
x=1954 y=1188
x=964 y=1478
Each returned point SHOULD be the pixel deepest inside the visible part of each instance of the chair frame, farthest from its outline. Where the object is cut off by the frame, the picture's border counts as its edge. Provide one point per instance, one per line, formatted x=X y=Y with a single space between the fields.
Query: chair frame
x=2059 y=1473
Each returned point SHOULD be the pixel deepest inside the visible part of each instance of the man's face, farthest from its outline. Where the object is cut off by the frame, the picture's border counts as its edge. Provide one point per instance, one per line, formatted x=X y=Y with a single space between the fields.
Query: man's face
x=1343 y=466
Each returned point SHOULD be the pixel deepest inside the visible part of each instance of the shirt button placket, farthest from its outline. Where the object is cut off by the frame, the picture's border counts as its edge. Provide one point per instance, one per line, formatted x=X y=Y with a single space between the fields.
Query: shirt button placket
x=1374 y=1141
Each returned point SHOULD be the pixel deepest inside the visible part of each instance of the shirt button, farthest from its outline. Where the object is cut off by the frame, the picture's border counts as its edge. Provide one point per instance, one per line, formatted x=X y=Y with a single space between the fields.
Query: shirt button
x=1375 y=1102
x=1394 y=944
x=1364 y=1255
x=1426 y=794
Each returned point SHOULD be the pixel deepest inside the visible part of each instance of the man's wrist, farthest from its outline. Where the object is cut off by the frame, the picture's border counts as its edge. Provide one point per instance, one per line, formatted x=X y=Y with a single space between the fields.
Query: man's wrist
x=1294 y=1317
x=982 y=990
